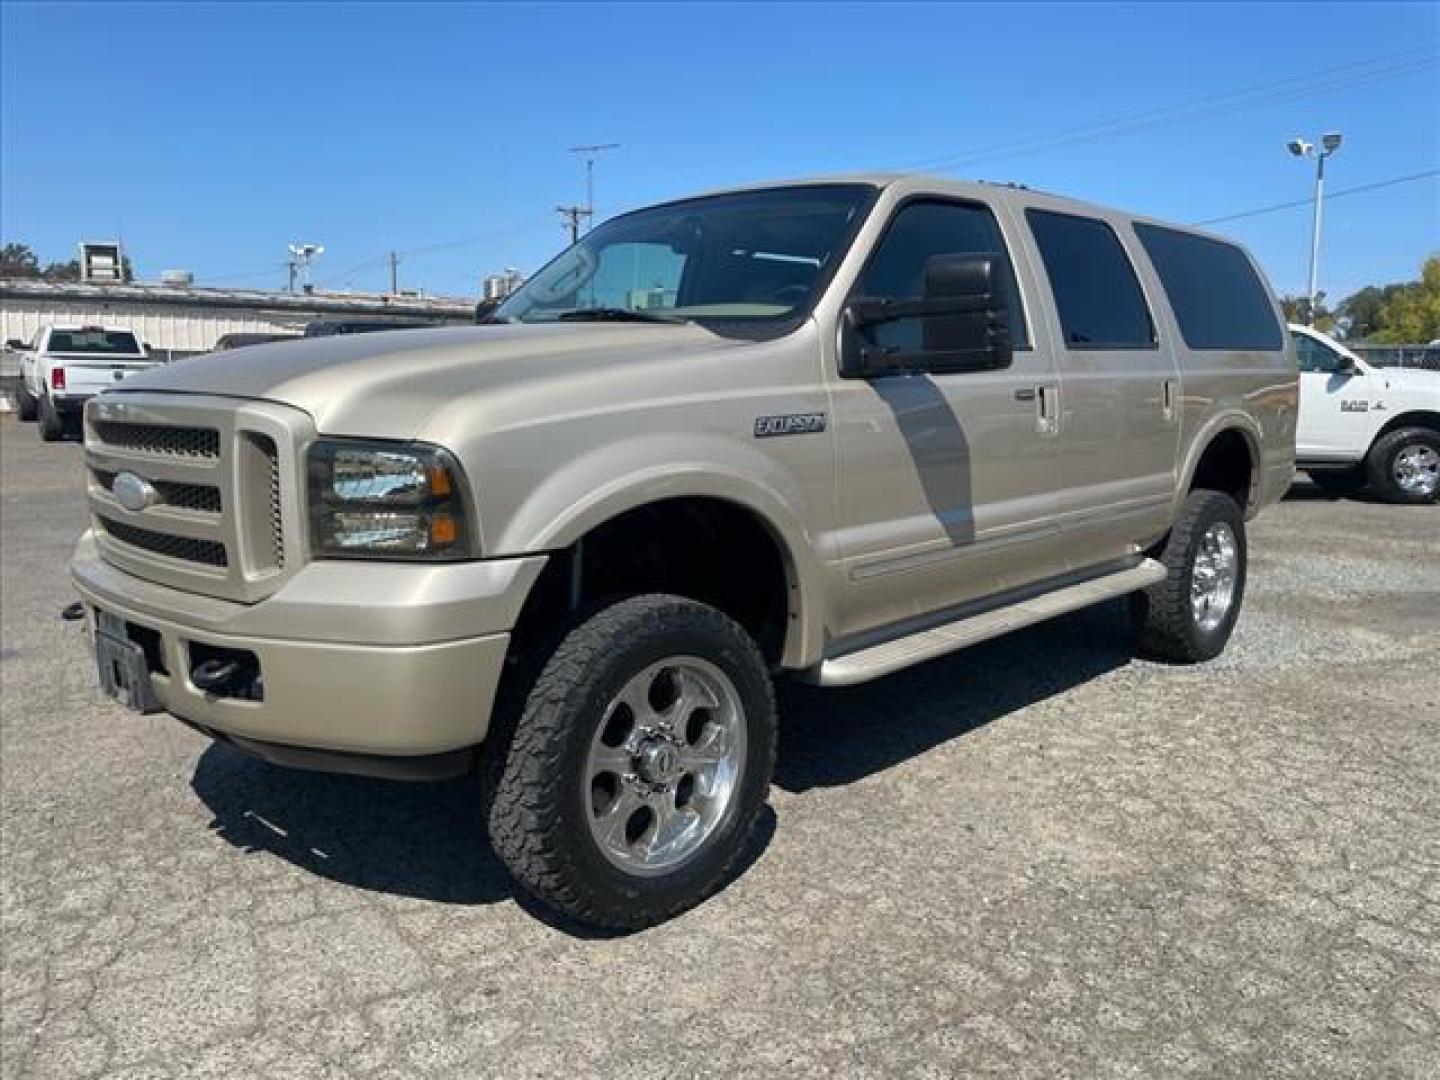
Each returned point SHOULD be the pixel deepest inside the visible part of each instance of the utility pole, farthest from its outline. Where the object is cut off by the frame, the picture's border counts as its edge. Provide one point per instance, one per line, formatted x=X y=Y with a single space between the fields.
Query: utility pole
x=394 y=274
x=590 y=153
x=572 y=216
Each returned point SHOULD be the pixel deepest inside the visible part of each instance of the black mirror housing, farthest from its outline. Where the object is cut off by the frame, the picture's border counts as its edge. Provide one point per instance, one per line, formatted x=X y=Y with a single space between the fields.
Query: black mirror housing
x=963 y=314
x=17 y=345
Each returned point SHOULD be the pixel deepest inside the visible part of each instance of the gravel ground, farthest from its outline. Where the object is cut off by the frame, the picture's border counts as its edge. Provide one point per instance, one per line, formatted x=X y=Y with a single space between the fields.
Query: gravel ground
x=1037 y=858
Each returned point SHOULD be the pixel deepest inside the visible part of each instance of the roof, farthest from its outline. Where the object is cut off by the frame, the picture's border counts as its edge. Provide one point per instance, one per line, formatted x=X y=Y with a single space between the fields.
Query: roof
x=318 y=303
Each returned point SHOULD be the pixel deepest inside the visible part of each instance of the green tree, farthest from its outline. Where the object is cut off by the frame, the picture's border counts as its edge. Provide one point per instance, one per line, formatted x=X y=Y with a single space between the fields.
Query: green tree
x=17 y=260
x=1411 y=315
x=58 y=271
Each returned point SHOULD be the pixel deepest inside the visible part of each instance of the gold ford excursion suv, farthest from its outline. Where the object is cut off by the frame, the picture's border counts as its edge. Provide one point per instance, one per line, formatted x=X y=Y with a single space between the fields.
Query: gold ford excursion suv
x=825 y=430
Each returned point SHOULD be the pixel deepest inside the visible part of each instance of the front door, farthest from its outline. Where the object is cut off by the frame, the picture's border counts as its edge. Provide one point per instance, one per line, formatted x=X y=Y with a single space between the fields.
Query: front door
x=1334 y=416
x=945 y=480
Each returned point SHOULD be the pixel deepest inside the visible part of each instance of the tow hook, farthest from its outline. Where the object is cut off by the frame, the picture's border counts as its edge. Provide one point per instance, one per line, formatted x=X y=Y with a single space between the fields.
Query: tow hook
x=215 y=676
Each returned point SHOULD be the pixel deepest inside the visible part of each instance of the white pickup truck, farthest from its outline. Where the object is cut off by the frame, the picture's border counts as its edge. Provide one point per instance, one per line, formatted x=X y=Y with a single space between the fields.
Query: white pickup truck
x=65 y=366
x=1361 y=425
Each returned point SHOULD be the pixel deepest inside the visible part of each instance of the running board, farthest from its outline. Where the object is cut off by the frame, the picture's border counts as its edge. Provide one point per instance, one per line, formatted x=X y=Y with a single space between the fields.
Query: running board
x=882 y=659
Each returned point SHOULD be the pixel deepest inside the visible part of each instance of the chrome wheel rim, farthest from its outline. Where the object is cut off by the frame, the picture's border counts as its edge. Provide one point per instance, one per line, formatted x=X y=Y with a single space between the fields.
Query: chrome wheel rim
x=664 y=766
x=1416 y=469
x=1212 y=578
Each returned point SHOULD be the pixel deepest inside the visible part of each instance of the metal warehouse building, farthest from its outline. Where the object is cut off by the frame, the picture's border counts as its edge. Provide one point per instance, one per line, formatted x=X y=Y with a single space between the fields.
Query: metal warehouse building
x=179 y=321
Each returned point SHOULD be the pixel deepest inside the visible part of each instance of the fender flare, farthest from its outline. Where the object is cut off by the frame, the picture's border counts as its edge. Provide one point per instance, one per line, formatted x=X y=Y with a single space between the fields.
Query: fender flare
x=1233 y=419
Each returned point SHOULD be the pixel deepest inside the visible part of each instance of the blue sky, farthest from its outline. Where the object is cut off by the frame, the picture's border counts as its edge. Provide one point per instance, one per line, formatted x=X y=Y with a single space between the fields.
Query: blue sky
x=210 y=136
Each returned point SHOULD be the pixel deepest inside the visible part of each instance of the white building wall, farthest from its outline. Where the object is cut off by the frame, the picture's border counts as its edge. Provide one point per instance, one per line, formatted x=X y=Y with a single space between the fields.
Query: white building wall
x=172 y=329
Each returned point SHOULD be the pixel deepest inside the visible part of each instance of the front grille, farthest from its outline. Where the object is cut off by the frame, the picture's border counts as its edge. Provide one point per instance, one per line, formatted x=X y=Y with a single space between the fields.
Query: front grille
x=188 y=442
x=199 y=497
x=208 y=552
x=277 y=525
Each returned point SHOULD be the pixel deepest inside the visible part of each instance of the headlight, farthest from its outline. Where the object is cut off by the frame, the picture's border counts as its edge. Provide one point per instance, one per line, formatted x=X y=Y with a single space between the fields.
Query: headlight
x=386 y=501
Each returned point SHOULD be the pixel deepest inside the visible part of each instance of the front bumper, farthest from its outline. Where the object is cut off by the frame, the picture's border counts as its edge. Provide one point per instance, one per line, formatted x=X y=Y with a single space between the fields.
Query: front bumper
x=358 y=660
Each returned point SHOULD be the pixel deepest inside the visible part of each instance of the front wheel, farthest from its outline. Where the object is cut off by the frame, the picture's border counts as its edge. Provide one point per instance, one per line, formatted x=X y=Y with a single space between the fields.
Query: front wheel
x=1189 y=615
x=1404 y=466
x=631 y=781
x=26 y=403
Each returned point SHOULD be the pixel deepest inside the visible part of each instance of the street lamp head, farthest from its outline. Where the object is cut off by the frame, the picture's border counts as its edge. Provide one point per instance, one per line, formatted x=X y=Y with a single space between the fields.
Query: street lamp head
x=1331 y=141
x=1301 y=148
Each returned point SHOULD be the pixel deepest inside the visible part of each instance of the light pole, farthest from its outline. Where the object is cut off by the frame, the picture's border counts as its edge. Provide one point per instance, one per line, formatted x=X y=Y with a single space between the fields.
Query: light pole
x=1329 y=143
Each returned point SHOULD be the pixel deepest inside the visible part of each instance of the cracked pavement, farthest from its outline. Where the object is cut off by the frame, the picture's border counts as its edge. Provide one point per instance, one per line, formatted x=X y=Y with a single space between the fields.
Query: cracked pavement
x=1036 y=858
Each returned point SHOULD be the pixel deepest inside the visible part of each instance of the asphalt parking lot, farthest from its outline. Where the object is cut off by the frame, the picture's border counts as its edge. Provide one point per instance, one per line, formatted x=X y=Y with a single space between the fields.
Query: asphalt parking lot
x=1036 y=858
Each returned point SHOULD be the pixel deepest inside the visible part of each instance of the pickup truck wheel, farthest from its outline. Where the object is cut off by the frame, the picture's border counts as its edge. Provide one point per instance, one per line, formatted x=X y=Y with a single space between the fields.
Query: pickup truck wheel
x=52 y=424
x=1188 y=616
x=630 y=782
x=25 y=403
x=1404 y=466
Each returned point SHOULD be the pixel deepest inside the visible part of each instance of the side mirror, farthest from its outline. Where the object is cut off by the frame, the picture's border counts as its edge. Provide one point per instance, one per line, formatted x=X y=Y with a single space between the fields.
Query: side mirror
x=17 y=345
x=963 y=318
x=1347 y=366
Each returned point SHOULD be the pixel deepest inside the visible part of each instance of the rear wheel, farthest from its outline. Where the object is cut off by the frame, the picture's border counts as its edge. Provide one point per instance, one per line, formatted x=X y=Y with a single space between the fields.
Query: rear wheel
x=52 y=424
x=1404 y=466
x=25 y=404
x=1189 y=616
x=631 y=781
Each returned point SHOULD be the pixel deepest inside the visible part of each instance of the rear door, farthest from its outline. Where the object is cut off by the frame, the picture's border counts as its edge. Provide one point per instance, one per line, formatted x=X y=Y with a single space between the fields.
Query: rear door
x=1119 y=385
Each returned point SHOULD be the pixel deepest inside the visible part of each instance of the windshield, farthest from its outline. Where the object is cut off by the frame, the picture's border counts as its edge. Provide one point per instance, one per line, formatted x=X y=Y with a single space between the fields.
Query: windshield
x=749 y=261
x=100 y=342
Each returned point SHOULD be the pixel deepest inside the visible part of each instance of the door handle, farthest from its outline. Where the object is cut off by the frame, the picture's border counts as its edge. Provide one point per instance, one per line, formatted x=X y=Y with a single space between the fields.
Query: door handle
x=1047 y=411
x=1025 y=394
x=1167 y=400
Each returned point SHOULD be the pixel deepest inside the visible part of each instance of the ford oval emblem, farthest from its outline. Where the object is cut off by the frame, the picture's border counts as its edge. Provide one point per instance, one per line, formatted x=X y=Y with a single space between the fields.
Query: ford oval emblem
x=133 y=492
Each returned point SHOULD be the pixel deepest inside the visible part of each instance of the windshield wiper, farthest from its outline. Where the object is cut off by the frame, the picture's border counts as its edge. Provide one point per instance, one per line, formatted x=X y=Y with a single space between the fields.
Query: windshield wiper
x=616 y=314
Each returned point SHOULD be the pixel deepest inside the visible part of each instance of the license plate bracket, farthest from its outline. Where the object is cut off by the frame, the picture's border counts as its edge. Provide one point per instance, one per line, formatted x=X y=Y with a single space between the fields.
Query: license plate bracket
x=125 y=673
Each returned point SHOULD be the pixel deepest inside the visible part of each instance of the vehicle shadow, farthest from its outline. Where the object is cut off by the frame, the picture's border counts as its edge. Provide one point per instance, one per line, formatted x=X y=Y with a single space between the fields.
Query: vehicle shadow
x=829 y=738
x=420 y=840
x=427 y=840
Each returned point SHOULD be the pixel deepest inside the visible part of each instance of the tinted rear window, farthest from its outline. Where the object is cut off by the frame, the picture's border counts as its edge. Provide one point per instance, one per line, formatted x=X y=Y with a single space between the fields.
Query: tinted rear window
x=1218 y=298
x=100 y=342
x=1096 y=293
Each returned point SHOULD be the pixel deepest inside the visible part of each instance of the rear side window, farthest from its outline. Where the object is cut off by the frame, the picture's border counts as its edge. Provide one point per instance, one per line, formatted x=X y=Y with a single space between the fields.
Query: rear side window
x=1097 y=295
x=1218 y=298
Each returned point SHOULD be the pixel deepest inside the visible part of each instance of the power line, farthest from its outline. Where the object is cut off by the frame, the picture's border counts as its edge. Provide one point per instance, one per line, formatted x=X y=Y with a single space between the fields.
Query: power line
x=1427 y=173
x=1313 y=82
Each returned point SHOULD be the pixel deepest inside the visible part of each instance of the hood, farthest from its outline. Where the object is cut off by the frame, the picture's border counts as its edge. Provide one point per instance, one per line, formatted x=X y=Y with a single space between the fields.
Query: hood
x=387 y=384
x=1410 y=380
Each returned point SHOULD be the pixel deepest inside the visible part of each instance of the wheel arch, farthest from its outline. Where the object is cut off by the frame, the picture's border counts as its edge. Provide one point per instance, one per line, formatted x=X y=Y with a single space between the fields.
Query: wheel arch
x=1225 y=456
x=735 y=508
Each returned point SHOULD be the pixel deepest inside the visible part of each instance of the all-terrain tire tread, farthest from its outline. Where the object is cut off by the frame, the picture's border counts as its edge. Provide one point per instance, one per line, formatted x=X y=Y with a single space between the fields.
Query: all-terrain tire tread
x=1164 y=614
x=524 y=818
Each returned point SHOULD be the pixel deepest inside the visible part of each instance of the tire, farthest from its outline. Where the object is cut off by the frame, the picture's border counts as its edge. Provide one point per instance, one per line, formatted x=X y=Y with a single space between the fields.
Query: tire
x=1168 y=624
x=1404 y=466
x=551 y=788
x=52 y=424
x=1338 y=483
x=25 y=403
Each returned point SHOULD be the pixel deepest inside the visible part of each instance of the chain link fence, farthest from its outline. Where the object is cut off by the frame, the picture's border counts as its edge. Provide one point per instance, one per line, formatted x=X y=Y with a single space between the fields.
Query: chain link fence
x=1412 y=356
